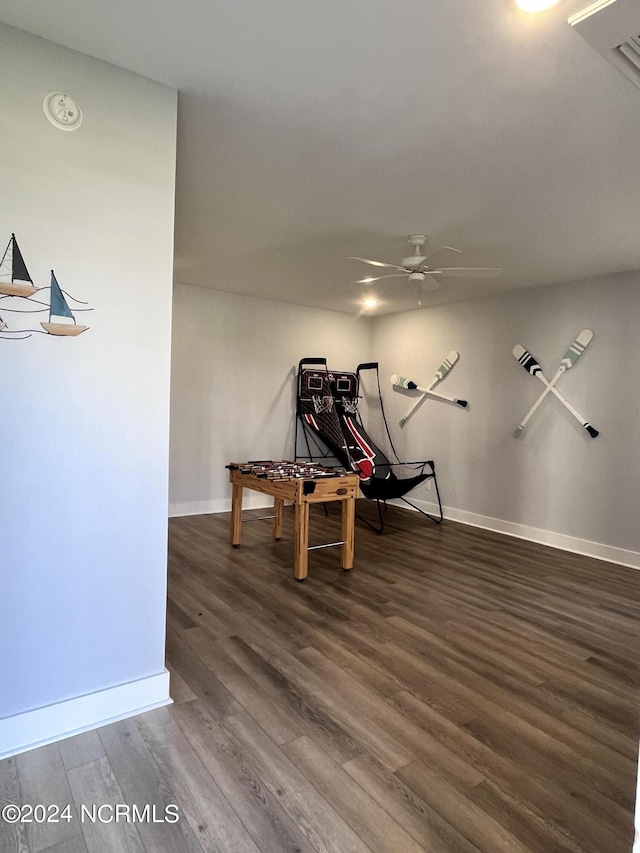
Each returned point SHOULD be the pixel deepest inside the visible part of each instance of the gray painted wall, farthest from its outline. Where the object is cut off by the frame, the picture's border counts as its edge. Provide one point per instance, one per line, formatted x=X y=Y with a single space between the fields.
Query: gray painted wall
x=232 y=395
x=84 y=427
x=233 y=387
x=554 y=476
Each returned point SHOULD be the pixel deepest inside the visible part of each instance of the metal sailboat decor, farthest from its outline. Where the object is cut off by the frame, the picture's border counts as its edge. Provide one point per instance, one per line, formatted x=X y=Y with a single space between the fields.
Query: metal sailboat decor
x=58 y=307
x=14 y=275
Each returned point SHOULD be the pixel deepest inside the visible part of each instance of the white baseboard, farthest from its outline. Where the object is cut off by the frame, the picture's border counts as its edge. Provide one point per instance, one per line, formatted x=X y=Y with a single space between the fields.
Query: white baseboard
x=600 y=551
x=250 y=500
x=74 y=716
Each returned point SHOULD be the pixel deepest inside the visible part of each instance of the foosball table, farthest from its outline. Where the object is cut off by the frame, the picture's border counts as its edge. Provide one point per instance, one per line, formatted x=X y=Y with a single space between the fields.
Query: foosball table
x=302 y=484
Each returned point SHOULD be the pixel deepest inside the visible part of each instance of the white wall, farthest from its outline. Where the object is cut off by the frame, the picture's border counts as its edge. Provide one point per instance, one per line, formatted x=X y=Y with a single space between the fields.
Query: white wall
x=554 y=477
x=84 y=428
x=233 y=384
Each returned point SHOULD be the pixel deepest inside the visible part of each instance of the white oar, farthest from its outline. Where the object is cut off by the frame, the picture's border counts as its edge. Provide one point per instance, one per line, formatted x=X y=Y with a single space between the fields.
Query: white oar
x=518 y=430
x=569 y=359
x=445 y=367
x=531 y=366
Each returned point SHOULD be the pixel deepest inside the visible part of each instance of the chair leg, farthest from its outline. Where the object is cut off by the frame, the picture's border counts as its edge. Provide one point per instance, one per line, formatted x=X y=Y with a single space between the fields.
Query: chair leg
x=433 y=518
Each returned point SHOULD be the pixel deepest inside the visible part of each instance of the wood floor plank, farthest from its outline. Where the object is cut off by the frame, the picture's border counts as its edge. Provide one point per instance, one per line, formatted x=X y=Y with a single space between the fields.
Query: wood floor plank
x=212 y=819
x=379 y=831
x=80 y=749
x=75 y=844
x=142 y=782
x=618 y=741
x=318 y=821
x=177 y=619
x=178 y=687
x=415 y=739
x=13 y=836
x=422 y=822
x=611 y=816
x=94 y=784
x=564 y=810
x=526 y=821
x=365 y=732
x=43 y=780
x=304 y=708
x=209 y=690
x=527 y=722
x=266 y=821
x=196 y=612
x=271 y=716
x=487 y=834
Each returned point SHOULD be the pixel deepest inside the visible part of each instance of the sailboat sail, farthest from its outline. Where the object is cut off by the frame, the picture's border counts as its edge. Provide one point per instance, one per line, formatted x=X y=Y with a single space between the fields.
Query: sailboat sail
x=20 y=271
x=59 y=308
x=13 y=266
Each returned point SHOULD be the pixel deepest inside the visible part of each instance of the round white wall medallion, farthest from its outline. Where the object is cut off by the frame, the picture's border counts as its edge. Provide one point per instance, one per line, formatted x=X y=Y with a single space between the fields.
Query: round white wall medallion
x=62 y=111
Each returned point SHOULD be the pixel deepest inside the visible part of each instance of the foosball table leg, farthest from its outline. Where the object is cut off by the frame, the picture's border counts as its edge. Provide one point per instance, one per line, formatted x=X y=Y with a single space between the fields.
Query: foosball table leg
x=236 y=515
x=278 y=506
x=348 y=532
x=301 y=557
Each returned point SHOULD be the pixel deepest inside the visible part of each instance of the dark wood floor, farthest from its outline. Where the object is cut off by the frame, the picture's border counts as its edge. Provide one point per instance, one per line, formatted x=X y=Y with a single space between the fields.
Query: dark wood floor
x=458 y=691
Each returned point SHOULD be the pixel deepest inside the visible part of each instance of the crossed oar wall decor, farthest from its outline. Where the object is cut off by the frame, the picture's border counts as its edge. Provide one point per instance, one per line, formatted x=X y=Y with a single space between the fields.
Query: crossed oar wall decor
x=529 y=363
x=410 y=385
x=531 y=366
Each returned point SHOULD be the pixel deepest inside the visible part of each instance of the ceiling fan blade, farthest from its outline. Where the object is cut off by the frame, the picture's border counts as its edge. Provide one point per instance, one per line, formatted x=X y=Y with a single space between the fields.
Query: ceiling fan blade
x=378 y=278
x=440 y=248
x=466 y=272
x=376 y=263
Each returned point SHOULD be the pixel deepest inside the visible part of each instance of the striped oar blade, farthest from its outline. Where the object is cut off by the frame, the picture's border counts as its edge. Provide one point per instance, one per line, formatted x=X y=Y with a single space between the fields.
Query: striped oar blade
x=526 y=360
x=447 y=364
x=403 y=382
x=577 y=348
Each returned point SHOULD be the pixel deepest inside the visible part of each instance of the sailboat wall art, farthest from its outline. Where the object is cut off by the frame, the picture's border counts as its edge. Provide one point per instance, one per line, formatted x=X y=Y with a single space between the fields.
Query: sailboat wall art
x=17 y=298
x=58 y=307
x=14 y=275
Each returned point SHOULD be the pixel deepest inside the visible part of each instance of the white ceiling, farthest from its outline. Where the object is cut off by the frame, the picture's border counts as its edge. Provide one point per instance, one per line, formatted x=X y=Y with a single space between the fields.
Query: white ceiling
x=314 y=130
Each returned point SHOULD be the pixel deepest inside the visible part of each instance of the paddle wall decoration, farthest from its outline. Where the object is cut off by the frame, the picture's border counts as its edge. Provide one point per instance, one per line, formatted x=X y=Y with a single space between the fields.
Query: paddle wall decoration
x=18 y=297
x=532 y=366
x=403 y=383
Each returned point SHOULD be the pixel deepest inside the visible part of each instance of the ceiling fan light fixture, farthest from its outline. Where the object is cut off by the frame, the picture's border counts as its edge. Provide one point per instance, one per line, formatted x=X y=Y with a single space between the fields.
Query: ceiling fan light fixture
x=370 y=303
x=535 y=5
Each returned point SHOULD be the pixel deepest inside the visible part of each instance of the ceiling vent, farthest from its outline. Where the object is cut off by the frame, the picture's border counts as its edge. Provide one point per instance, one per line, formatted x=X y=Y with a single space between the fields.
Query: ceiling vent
x=612 y=27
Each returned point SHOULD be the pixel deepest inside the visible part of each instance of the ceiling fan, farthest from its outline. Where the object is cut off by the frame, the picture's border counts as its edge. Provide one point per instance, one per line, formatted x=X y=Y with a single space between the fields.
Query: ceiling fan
x=416 y=269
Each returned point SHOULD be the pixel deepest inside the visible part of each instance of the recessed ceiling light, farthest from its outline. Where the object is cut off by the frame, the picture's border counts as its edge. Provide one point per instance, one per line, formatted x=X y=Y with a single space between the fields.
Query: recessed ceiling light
x=535 y=5
x=370 y=303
